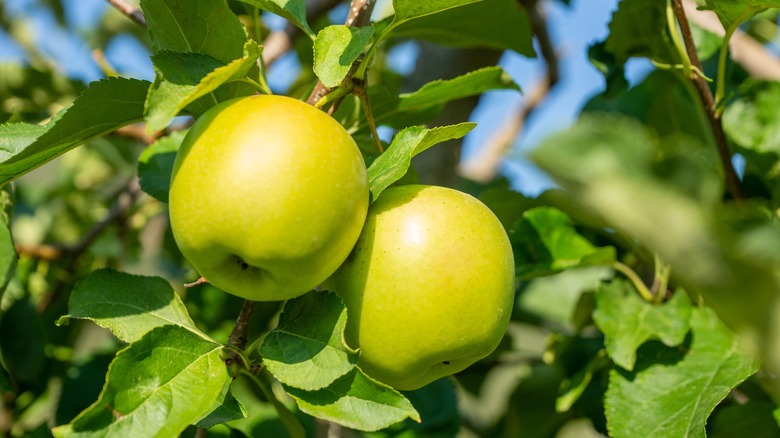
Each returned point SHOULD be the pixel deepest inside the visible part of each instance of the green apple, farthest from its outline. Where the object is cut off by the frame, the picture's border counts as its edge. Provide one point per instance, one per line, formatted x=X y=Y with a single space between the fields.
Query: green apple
x=429 y=286
x=268 y=196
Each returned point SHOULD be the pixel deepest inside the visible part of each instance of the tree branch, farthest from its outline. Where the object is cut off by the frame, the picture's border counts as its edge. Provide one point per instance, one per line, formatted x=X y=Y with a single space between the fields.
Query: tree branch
x=134 y=14
x=705 y=94
x=359 y=15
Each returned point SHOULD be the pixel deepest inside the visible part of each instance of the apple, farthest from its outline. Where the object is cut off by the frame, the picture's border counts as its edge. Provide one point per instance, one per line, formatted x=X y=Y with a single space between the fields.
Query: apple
x=429 y=286
x=268 y=196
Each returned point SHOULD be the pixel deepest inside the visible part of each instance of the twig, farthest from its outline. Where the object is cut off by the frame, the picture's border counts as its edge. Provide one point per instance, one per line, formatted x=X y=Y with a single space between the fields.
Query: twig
x=359 y=15
x=134 y=14
x=485 y=165
x=705 y=94
x=639 y=285
x=238 y=335
x=197 y=282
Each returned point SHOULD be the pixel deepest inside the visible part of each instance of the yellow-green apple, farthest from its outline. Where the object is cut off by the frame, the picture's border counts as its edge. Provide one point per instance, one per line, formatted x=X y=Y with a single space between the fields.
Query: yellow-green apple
x=268 y=196
x=429 y=286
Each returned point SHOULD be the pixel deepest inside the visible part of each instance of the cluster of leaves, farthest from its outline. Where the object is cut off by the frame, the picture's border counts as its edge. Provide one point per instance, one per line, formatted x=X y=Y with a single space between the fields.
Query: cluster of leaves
x=641 y=201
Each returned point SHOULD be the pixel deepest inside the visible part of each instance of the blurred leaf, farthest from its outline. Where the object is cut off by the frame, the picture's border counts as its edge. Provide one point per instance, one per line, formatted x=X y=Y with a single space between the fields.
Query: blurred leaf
x=156 y=387
x=531 y=413
x=672 y=391
x=751 y=119
x=306 y=350
x=684 y=155
x=437 y=403
x=393 y=163
x=128 y=305
x=464 y=26
x=292 y=10
x=734 y=420
x=545 y=242
x=707 y=43
x=8 y=256
x=356 y=401
x=81 y=387
x=155 y=165
x=606 y=163
x=199 y=26
x=23 y=341
x=409 y=9
x=638 y=28
x=555 y=298
x=106 y=105
x=184 y=77
x=6 y=384
x=733 y=12
x=628 y=321
x=225 y=408
x=336 y=48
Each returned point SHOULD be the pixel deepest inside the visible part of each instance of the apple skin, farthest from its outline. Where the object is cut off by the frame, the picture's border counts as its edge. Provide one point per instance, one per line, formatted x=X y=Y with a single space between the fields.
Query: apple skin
x=268 y=196
x=429 y=286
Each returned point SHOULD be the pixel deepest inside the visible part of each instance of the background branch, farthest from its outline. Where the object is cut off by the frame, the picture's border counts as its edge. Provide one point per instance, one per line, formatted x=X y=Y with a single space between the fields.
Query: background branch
x=133 y=13
x=705 y=94
x=485 y=165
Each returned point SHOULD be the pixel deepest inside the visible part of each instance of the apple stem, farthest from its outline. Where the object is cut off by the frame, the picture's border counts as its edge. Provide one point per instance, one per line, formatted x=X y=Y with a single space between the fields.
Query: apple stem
x=201 y=280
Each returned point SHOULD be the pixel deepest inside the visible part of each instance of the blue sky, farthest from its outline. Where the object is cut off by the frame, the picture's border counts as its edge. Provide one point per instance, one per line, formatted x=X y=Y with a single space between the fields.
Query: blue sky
x=572 y=29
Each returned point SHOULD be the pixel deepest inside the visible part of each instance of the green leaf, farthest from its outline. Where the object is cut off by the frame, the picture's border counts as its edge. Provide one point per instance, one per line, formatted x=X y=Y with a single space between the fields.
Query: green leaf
x=106 y=105
x=356 y=401
x=224 y=409
x=307 y=350
x=672 y=391
x=422 y=105
x=466 y=27
x=733 y=12
x=545 y=242
x=156 y=387
x=336 y=48
x=23 y=340
x=128 y=305
x=155 y=165
x=393 y=163
x=198 y=26
x=8 y=256
x=292 y=10
x=754 y=415
x=628 y=321
x=184 y=77
x=638 y=28
x=573 y=388
x=409 y=9
x=751 y=119
x=470 y=84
